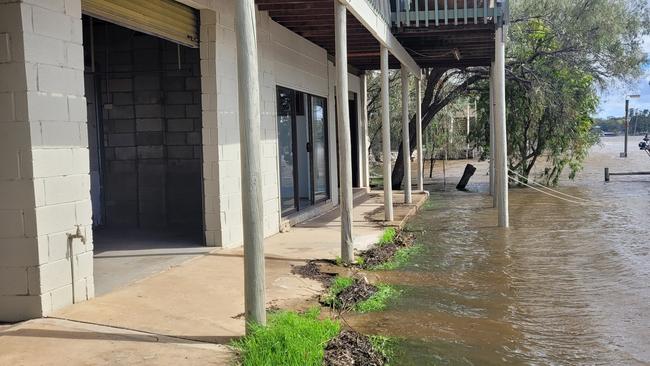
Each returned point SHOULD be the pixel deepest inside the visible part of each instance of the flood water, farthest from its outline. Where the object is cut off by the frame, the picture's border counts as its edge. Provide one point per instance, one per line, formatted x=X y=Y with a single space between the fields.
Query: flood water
x=567 y=284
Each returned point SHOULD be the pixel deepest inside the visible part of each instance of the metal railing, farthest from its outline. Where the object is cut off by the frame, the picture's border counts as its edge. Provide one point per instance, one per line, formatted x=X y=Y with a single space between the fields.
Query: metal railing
x=417 y=13
x=382 y=7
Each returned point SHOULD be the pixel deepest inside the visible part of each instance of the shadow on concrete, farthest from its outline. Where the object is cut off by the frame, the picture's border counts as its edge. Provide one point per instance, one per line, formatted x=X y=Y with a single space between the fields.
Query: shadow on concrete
x=112 y=336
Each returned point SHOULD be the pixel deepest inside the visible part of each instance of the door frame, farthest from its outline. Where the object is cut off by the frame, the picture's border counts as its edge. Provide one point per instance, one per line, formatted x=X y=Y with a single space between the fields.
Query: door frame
x=308 y=109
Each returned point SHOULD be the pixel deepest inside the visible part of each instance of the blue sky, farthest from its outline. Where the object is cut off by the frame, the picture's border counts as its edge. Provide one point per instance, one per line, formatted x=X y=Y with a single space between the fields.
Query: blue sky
x=612 y=100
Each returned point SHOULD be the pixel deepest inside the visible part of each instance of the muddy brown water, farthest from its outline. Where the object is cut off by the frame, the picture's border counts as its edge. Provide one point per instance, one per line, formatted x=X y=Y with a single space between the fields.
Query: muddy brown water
x=567 y=284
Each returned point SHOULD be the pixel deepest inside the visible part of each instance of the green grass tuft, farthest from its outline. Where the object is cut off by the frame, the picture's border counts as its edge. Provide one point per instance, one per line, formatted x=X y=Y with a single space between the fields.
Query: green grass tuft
x=288 y=339
x=378 y=301
x=339 y=284
x=401 y=257
x=388 y=236
x=384 y=345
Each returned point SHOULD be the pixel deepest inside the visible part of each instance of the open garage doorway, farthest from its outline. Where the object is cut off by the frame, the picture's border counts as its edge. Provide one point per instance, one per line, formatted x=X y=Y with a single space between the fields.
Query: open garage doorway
x=144 y=131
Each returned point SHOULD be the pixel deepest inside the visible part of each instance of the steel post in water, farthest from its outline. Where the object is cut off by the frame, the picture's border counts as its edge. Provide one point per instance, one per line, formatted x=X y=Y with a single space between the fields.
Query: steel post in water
x=343 y=113
x=385 y=135
x=501 y=142
x=406 y=143
x=606 y=174
x=251 y=183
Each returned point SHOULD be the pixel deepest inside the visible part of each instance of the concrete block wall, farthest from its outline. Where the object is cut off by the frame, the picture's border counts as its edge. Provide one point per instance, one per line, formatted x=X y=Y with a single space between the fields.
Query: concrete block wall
x=44 y=165
x=285 y=59
x=151 y=120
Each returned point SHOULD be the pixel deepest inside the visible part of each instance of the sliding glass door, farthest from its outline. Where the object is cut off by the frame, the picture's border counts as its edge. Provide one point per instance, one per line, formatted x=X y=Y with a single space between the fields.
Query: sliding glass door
x=303 y=150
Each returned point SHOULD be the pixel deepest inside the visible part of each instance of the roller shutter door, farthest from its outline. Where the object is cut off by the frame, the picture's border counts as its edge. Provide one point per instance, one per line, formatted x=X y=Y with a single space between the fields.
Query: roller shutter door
x=161 y=18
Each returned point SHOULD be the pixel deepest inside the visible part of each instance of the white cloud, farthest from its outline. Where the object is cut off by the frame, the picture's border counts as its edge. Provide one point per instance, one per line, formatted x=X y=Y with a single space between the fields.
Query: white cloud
x=612 y=100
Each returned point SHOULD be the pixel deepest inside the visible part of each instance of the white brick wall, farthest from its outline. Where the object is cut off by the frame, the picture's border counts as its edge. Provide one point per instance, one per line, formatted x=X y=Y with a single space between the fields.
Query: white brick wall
x=286 y=59
x=44 y=181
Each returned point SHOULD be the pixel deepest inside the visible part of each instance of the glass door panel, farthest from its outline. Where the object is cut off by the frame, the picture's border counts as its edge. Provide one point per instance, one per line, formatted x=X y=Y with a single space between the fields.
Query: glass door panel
x=286 y=150
x=319 y=148
x=302 y=151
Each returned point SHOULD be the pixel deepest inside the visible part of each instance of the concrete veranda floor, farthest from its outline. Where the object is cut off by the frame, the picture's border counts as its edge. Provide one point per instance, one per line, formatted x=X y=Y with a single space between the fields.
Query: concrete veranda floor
x=187 y=313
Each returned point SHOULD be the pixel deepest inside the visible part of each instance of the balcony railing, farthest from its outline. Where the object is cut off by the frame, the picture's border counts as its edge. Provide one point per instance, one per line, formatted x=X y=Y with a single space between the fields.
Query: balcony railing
x=418 y=13
x=383 y=8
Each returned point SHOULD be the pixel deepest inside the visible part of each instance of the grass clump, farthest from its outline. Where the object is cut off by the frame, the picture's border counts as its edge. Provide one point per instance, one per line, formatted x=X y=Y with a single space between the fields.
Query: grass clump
x=359 y=261
x=288 y=339
x=387 y=237
x=384 y=345
x=401 y=257
x=346 y=293
x=378 y=300
x=339 y=284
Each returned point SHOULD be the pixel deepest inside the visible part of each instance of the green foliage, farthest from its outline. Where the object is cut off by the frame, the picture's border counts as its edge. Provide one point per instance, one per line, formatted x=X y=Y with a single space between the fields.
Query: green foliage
x=378 y=301
x=358 y=261
x=383 y=345
x=387 y=236
x=402 y=256
x=288 y=339
x=375 y=302
x=339 y=284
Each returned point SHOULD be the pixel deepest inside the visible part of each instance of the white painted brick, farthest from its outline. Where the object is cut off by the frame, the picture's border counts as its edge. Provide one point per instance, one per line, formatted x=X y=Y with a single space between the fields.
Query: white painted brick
x=74 y=56
x=84 y=210
x=80 y=160
x=47 y=106
x=76 y=29
x=73 y=8
x=46 y=50
x=68 y=188
x=11 y=224
x=84 y=265
x=39 y=192
x=5 y=48
x=17 y=308
x=54 y=78
x=16 y=195
x=54 y=275
x=55 y=5
x=52 y=162
x=52 y=219
x=13 y=280
x=59 y=134
x=61 y=297
x=77 y=109
x=14 y=77
x=52 y=23
x=22 y=252
x=58 y=246
x=7 y=107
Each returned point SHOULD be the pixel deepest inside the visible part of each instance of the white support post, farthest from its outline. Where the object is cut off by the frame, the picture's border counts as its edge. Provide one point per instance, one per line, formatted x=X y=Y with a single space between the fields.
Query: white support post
x=406 y=143
x=251 y=183
x=493 y=191
x=467 y=133
x=501 y=141
x=418 y=127
x=365 y=168
x=385 y=136
x=343 y=113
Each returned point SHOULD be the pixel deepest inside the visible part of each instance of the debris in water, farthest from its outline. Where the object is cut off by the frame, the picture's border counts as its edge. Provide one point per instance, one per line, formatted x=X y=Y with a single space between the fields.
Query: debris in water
x=312 y=271
x=352 y=348
x=359 y=291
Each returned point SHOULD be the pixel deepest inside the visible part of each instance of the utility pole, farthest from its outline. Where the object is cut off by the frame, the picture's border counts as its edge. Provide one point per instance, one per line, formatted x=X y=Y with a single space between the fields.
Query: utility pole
x=627 y=124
